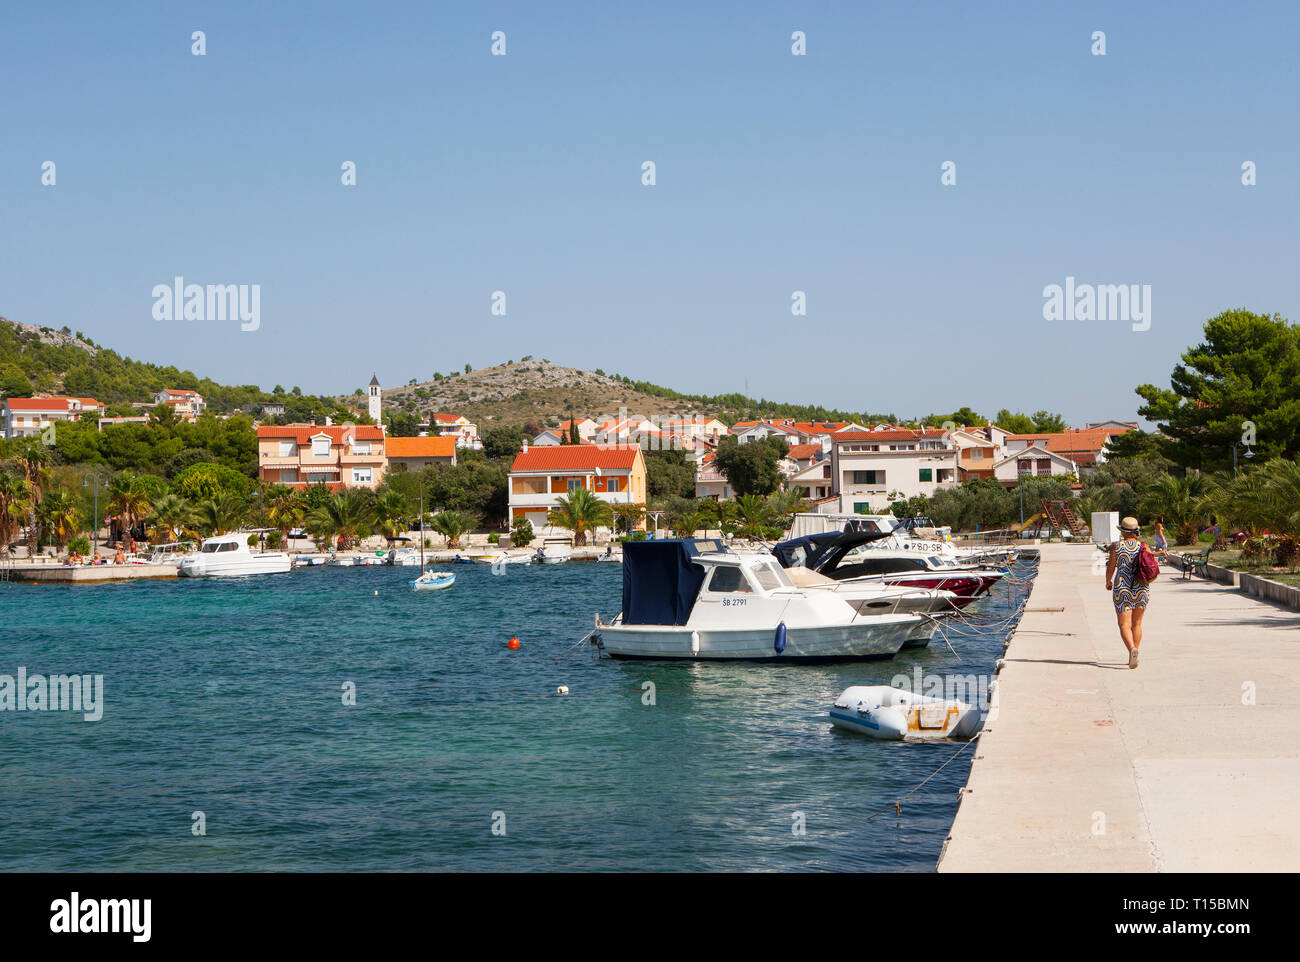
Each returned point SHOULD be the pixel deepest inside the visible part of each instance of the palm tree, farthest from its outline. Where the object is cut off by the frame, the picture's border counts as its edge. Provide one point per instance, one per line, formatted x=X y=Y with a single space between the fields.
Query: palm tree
x=220 y=514
x=128 y=498
x=753 y=514
x=15 y=499
x=580 y=512
x=342 y=515
x=687 y=523
x=60 y=515
x=1182 y=502
x=171 y=513
x=284 y=509
x=784 y=505
x=32 y=456
x=391 y=511
x=451 y=525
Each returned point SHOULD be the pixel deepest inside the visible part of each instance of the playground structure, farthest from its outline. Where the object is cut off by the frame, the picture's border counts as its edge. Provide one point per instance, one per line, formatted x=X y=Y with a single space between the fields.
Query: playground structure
x=1054 y=514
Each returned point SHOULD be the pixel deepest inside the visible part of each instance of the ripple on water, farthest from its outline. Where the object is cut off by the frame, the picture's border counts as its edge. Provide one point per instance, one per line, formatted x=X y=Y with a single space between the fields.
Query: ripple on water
x=225 y=697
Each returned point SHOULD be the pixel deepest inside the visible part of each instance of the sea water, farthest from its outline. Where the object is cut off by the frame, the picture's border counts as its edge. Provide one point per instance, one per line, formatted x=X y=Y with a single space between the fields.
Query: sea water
x=331 y=719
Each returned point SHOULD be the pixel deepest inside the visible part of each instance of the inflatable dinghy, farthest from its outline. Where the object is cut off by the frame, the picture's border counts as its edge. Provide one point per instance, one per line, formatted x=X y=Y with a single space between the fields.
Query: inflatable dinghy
x=895 y=714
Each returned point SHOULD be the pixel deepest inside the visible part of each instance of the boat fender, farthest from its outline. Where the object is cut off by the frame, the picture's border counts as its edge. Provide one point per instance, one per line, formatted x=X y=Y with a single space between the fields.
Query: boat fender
x=779 y=642
x=695 y=642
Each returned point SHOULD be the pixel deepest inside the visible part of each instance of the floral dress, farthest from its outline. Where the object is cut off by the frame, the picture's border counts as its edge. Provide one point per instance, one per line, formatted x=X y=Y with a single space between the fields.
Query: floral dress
x=1130 y=591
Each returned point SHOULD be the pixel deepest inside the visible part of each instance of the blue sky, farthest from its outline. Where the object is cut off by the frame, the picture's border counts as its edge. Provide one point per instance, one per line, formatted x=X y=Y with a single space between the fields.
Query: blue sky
x=775 y=173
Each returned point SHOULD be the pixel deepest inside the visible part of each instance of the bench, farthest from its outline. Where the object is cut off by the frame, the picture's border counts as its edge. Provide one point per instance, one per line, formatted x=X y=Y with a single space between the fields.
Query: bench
x=1197 y=561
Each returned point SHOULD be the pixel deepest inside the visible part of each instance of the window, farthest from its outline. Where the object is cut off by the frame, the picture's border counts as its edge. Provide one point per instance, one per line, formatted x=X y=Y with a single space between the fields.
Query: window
x=770 y=577
x=362 y=475
x=729 y=579
x=289 y=475
x=575 y=484
x=862 y=507
x=612 y=485
x=360 y=447
x=317 y=478
x=320 y=447
x=927 y=474
x=868 y=477
x=288 y=449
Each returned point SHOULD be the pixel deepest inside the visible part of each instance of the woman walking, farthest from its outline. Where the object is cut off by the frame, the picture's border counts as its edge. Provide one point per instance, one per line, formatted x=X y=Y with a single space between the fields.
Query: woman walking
x=1159 y=543
x=1129 y=592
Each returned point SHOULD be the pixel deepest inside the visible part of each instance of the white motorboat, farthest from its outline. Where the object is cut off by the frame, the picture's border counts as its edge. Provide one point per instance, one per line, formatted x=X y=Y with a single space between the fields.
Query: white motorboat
x=364 y=560
x=876 y=597
x=553 y=552
x=693 y=599
x=404 y=557
x=845 y=556
x=228 y=556
x=309 y=561
x=896 y=714
x=433 y=581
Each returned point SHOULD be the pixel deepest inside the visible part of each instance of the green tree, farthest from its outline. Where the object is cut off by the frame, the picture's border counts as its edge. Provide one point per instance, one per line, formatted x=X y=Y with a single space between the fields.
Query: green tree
x=521 y=532
x=751 y=468
x=452 y=525
x=60 y=517
x=171 y=514
x=1183 y=503
x=130 y=498
x=220 y=514
x=668 y=473
x=15 y=500
x=1240 y=386
x=503 y=442
x=342 y=515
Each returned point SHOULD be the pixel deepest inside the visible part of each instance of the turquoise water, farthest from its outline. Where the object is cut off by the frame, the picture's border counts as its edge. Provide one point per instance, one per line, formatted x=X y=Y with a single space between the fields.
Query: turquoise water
x=225 y=697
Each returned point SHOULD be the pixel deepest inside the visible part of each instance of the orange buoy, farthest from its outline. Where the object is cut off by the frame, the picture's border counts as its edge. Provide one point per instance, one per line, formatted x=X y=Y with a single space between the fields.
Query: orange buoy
x=512 y=643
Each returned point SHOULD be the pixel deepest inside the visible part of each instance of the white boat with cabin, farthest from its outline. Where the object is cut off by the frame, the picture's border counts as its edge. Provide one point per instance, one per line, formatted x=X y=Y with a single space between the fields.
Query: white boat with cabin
x=228 y=556
x=693 y=599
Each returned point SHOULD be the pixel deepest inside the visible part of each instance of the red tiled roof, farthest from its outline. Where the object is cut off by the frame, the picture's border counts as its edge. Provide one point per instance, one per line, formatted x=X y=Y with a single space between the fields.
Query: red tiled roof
x=431 y=447
x=47 y=403
x=303 y=433
x=902 y=434
x=576 y=457
x=182 y=391
x=446 y=418
x=801 y=451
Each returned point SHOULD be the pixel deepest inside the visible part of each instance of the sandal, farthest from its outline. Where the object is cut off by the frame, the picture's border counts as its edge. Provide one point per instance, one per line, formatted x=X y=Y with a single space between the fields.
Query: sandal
x=1133 y=658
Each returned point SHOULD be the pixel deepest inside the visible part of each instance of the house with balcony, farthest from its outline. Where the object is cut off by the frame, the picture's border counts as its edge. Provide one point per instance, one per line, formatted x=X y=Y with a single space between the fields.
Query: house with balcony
x=1086 y=447
x=456 y=426
x=25 y=416
x=185 y=404
x=414 y=454
x=339 y=455
x=872 y=469
x=540 y=476
x=1035 y=460
x=709 y=481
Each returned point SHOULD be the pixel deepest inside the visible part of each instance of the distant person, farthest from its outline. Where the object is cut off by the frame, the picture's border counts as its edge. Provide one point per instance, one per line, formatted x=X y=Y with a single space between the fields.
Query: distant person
x=1160 y=544
x=1129 y=592
x=119 y=558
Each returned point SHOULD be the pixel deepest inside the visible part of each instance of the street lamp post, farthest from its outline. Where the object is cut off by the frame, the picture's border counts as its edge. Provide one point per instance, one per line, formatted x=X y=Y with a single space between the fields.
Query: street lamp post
x=1249 y=454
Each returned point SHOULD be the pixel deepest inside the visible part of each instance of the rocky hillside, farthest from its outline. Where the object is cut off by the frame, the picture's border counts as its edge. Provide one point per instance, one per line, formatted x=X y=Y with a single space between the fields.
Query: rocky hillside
x=522 y=391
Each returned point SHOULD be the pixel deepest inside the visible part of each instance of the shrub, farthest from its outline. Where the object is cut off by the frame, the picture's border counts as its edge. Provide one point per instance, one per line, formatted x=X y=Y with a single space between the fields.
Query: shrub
x=273 y=540
x=494 y=538
x=80 y=544
x=1285 y=551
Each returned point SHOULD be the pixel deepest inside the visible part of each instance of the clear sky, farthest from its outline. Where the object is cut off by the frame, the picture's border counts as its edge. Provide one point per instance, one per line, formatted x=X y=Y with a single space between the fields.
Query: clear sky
x=775 y=173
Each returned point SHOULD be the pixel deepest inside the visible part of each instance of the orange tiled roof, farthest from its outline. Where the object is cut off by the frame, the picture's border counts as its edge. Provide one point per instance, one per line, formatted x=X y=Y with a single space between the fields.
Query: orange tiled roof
x=801 y=451
x=431 y=447
x=901 y=434
x=47 y=403
x=575 y=457
x=303 y=433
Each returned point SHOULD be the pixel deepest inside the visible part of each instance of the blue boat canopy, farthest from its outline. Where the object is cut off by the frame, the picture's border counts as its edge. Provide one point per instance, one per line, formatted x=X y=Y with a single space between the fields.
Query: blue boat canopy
x=661 y=581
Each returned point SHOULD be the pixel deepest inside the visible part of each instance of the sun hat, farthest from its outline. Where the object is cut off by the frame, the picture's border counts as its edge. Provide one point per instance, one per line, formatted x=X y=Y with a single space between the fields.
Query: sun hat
x=1129 y=524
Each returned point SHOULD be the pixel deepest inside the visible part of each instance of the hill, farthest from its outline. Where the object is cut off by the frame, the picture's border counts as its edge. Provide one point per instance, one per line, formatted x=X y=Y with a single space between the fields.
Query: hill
x=42 y=360
x=519 y=392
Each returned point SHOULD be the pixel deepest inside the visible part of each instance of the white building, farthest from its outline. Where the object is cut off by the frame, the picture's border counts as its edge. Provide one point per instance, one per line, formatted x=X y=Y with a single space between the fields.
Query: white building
x=873 y=469
x=375 y=400
x=25 y=416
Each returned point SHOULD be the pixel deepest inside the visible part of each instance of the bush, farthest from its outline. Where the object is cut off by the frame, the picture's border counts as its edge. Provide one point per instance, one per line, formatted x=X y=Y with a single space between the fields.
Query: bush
x=1256 y=549
x=1285 y=551
x=273 y=540
x=494 y=538
x=80 y=545
x=521 y=533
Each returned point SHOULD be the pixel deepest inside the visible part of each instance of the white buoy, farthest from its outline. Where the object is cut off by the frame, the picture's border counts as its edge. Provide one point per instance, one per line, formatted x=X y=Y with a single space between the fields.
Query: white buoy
x=376 y=592
x=562 y=690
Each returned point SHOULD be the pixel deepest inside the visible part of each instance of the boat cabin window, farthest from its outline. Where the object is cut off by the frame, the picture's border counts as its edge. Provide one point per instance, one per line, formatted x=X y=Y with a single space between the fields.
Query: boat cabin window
x=770 y=577
x=728 y=578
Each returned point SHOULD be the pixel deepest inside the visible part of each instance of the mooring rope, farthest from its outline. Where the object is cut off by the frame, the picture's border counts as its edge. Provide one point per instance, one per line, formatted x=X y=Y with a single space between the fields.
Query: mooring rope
x=898 y=805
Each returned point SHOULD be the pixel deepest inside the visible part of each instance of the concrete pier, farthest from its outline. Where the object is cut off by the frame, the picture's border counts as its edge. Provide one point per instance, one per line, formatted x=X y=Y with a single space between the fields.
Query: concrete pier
x=83 y=574
x=1188 y=763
